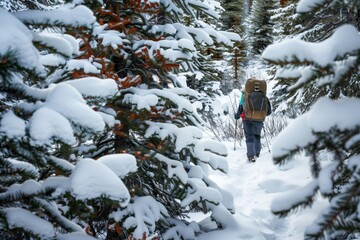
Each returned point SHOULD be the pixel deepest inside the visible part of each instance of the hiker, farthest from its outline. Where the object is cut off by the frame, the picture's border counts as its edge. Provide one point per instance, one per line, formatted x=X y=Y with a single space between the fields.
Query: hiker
x=254 y=106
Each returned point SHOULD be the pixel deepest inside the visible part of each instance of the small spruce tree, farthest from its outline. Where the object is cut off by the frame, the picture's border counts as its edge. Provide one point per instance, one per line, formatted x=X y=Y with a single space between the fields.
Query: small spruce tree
x=261 y=29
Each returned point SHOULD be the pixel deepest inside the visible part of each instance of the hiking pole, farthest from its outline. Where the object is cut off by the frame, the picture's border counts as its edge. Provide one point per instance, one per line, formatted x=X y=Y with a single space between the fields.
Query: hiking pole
x=235 y=134
x=241 y=133
x=266 y=139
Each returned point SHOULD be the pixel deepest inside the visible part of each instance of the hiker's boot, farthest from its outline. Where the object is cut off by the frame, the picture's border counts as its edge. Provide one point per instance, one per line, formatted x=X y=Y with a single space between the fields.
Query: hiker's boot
x=251 y=159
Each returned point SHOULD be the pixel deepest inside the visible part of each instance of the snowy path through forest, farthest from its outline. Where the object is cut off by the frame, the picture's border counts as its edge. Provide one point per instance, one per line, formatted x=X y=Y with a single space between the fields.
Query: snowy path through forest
x=254 y=186
x=253 y=190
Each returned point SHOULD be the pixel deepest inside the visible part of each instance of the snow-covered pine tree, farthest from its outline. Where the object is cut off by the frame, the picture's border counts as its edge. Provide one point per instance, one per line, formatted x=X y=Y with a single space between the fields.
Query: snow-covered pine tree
x=328 y=67
x=261 y=29
x=15 y=5
x=287 y=24
x=233 y=18
x=153 y=50
x=316 y=25
x=286 y=21
x=46 y=192
x=249 y=4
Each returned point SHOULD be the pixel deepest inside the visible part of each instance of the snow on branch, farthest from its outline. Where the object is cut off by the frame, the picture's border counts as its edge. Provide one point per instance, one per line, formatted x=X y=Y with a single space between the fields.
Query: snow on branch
x=339 y=203
x=182 y=91
x=52 y=209
x=59 y=184
x=111 y=38
x=67 y=101
x=203 y=34
x=183 y=137
x=61 y=45
x=56 y=185
x=211 y=152
x=17 y=44
x=17 y=191
x=190 y=137
x=91 y=179
x=47 y=124
x=299 y=197
x=204 y=6
x=145 y=98
x=141 y=215
x=173 y=50
x=346 y=39
x=227 y=197
x=223 y=217
x=20 y=166
x=220 y=37
x=74 y=236
x=81 y=64
x=174 y=168
x=326 y=178
x=62 y=163
x=181 y=230
x=166 y=29
x=320 y=118
x=301 y=136
x=24 y=219
x=120 y=164
x=12 y=126
x=87 y=86
x=170 y=6
x=200 y=192
x=94 y=87
x=307 y=5
x=354 y=164
x=79 y=16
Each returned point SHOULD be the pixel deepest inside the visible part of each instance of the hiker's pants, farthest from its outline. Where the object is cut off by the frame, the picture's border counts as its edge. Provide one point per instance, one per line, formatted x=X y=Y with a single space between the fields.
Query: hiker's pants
x=252 y=130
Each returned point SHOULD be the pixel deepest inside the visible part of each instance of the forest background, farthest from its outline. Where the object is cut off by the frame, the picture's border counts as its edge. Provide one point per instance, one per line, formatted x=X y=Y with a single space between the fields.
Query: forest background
x=111 y=121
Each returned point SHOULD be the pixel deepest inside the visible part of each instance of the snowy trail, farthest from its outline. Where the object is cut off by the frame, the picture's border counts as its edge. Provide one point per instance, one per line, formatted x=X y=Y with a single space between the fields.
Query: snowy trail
x=247 y=182
x=254 y=186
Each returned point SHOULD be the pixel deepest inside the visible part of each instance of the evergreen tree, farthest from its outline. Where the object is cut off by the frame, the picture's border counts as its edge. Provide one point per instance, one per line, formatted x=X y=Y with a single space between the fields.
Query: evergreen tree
x=154 y=53
x=146 y=134
x=46 y=110
x=287 y=24
x=261 y=30
x=313 y=26
x=324 y=77
x=233 y=18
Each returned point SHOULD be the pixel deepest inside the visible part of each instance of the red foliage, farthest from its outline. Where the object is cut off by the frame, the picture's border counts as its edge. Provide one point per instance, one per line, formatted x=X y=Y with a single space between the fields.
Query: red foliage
x=283 y=3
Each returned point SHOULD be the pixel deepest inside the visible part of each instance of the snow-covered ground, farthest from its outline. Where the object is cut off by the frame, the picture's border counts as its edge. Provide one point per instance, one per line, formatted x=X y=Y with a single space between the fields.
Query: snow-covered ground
x=254 y=186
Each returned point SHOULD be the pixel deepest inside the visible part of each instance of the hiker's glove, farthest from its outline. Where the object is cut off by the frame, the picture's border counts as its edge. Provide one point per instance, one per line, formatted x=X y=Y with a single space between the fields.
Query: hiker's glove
x=237 y=116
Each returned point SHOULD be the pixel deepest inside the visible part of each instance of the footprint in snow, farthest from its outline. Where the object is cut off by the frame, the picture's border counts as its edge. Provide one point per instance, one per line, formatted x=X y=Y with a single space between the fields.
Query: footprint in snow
x=275 y=186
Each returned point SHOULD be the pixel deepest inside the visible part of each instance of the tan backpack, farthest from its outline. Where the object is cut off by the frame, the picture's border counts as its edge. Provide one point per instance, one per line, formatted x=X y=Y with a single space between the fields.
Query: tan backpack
x=255 y=101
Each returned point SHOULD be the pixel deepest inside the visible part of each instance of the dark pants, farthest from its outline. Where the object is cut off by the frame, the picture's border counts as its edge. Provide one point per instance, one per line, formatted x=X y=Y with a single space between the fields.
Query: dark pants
x=252 y=131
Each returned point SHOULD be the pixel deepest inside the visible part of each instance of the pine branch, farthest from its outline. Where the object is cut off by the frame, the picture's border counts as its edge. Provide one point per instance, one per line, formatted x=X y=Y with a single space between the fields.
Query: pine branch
x=338 y=205
x=304 y=197
x=55 y=215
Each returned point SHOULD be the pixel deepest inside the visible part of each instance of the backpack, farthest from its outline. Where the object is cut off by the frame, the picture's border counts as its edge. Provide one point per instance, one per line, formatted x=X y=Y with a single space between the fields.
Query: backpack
x=255 y=101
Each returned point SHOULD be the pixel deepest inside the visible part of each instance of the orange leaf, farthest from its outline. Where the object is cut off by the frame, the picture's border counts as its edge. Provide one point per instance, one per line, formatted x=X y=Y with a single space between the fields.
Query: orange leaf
x=118 y=229
x=150 y=145
x=132 y=30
